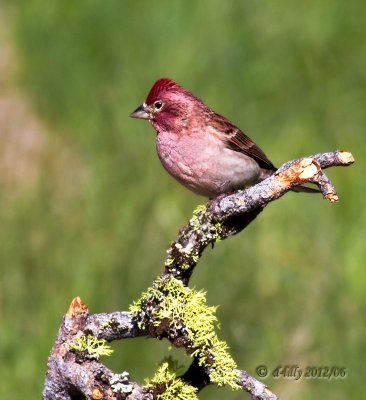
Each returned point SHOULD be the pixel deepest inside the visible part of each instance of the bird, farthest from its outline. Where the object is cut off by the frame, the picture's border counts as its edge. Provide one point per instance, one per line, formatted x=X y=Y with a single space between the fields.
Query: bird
x=201 y=149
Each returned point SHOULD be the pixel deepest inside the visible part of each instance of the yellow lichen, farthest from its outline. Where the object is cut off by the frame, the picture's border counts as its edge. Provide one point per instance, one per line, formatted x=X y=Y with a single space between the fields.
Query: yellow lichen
x=169 y=261
x=169 y=386
x=197 y=213
x=92 y=345
x=187 y=312
x=107 y=324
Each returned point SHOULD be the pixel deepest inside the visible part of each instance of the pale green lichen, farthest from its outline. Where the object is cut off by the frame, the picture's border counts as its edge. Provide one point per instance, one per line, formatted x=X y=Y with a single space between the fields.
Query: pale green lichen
x=107 y=324
x=187 y=312
x=201 y=223
x=195 y=221
x=169 y=261
x=218 y=231
x=195 y=258
x=187 y=305
x=224 y=369
x=92 y=345
x=150 y=298
x=169 y=387
x=200 y=209
x=187 y=252
x=207 y=232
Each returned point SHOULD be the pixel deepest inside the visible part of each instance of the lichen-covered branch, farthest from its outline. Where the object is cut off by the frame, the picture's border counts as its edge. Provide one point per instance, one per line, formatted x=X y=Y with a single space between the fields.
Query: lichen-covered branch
x=74 y=370
x=170 y=309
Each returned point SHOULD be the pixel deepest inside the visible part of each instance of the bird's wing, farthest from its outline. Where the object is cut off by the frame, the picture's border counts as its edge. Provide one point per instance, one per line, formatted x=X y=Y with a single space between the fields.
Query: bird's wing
x=236 y=140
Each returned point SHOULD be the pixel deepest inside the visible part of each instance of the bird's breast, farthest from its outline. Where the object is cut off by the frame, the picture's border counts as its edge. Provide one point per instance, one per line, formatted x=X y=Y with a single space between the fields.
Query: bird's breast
x=203 y=163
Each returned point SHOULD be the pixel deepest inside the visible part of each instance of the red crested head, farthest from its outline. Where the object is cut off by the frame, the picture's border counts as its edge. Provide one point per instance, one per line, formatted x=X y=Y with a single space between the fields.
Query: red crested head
x=167 y=105
x=160 y=86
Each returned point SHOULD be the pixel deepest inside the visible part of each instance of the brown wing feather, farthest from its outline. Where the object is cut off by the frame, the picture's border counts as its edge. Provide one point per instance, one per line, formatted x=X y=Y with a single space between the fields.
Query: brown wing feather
x=236 y=140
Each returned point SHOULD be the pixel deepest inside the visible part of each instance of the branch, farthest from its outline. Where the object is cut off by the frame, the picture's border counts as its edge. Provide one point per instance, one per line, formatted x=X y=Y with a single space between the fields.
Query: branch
x=73 y=375
x=198 y=376
x=227 y=215
x=74 y=369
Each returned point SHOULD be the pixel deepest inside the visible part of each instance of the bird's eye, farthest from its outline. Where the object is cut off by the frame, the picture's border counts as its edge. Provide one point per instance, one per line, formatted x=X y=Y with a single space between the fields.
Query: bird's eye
x=158 y=105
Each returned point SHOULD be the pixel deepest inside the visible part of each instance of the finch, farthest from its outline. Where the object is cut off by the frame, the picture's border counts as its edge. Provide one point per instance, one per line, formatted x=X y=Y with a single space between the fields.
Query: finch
x=202 y=150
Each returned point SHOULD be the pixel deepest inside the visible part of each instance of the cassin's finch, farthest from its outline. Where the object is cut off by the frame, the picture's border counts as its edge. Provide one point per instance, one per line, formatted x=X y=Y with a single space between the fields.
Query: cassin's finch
x=202 y=150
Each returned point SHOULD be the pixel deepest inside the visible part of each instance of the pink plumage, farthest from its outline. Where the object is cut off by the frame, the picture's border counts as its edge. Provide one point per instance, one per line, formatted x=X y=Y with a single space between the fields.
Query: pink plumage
x=202 y=150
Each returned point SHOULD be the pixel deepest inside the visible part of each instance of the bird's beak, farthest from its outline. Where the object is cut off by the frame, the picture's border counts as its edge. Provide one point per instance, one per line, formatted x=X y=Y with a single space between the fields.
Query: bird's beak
x=142 y=112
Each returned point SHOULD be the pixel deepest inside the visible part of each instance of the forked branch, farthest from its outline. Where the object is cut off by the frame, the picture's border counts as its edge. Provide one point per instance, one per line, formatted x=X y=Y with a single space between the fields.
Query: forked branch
x=74 y=370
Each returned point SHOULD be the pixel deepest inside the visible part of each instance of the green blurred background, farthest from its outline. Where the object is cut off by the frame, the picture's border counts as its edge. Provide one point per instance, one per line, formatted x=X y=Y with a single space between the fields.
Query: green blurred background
x=87 y=210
